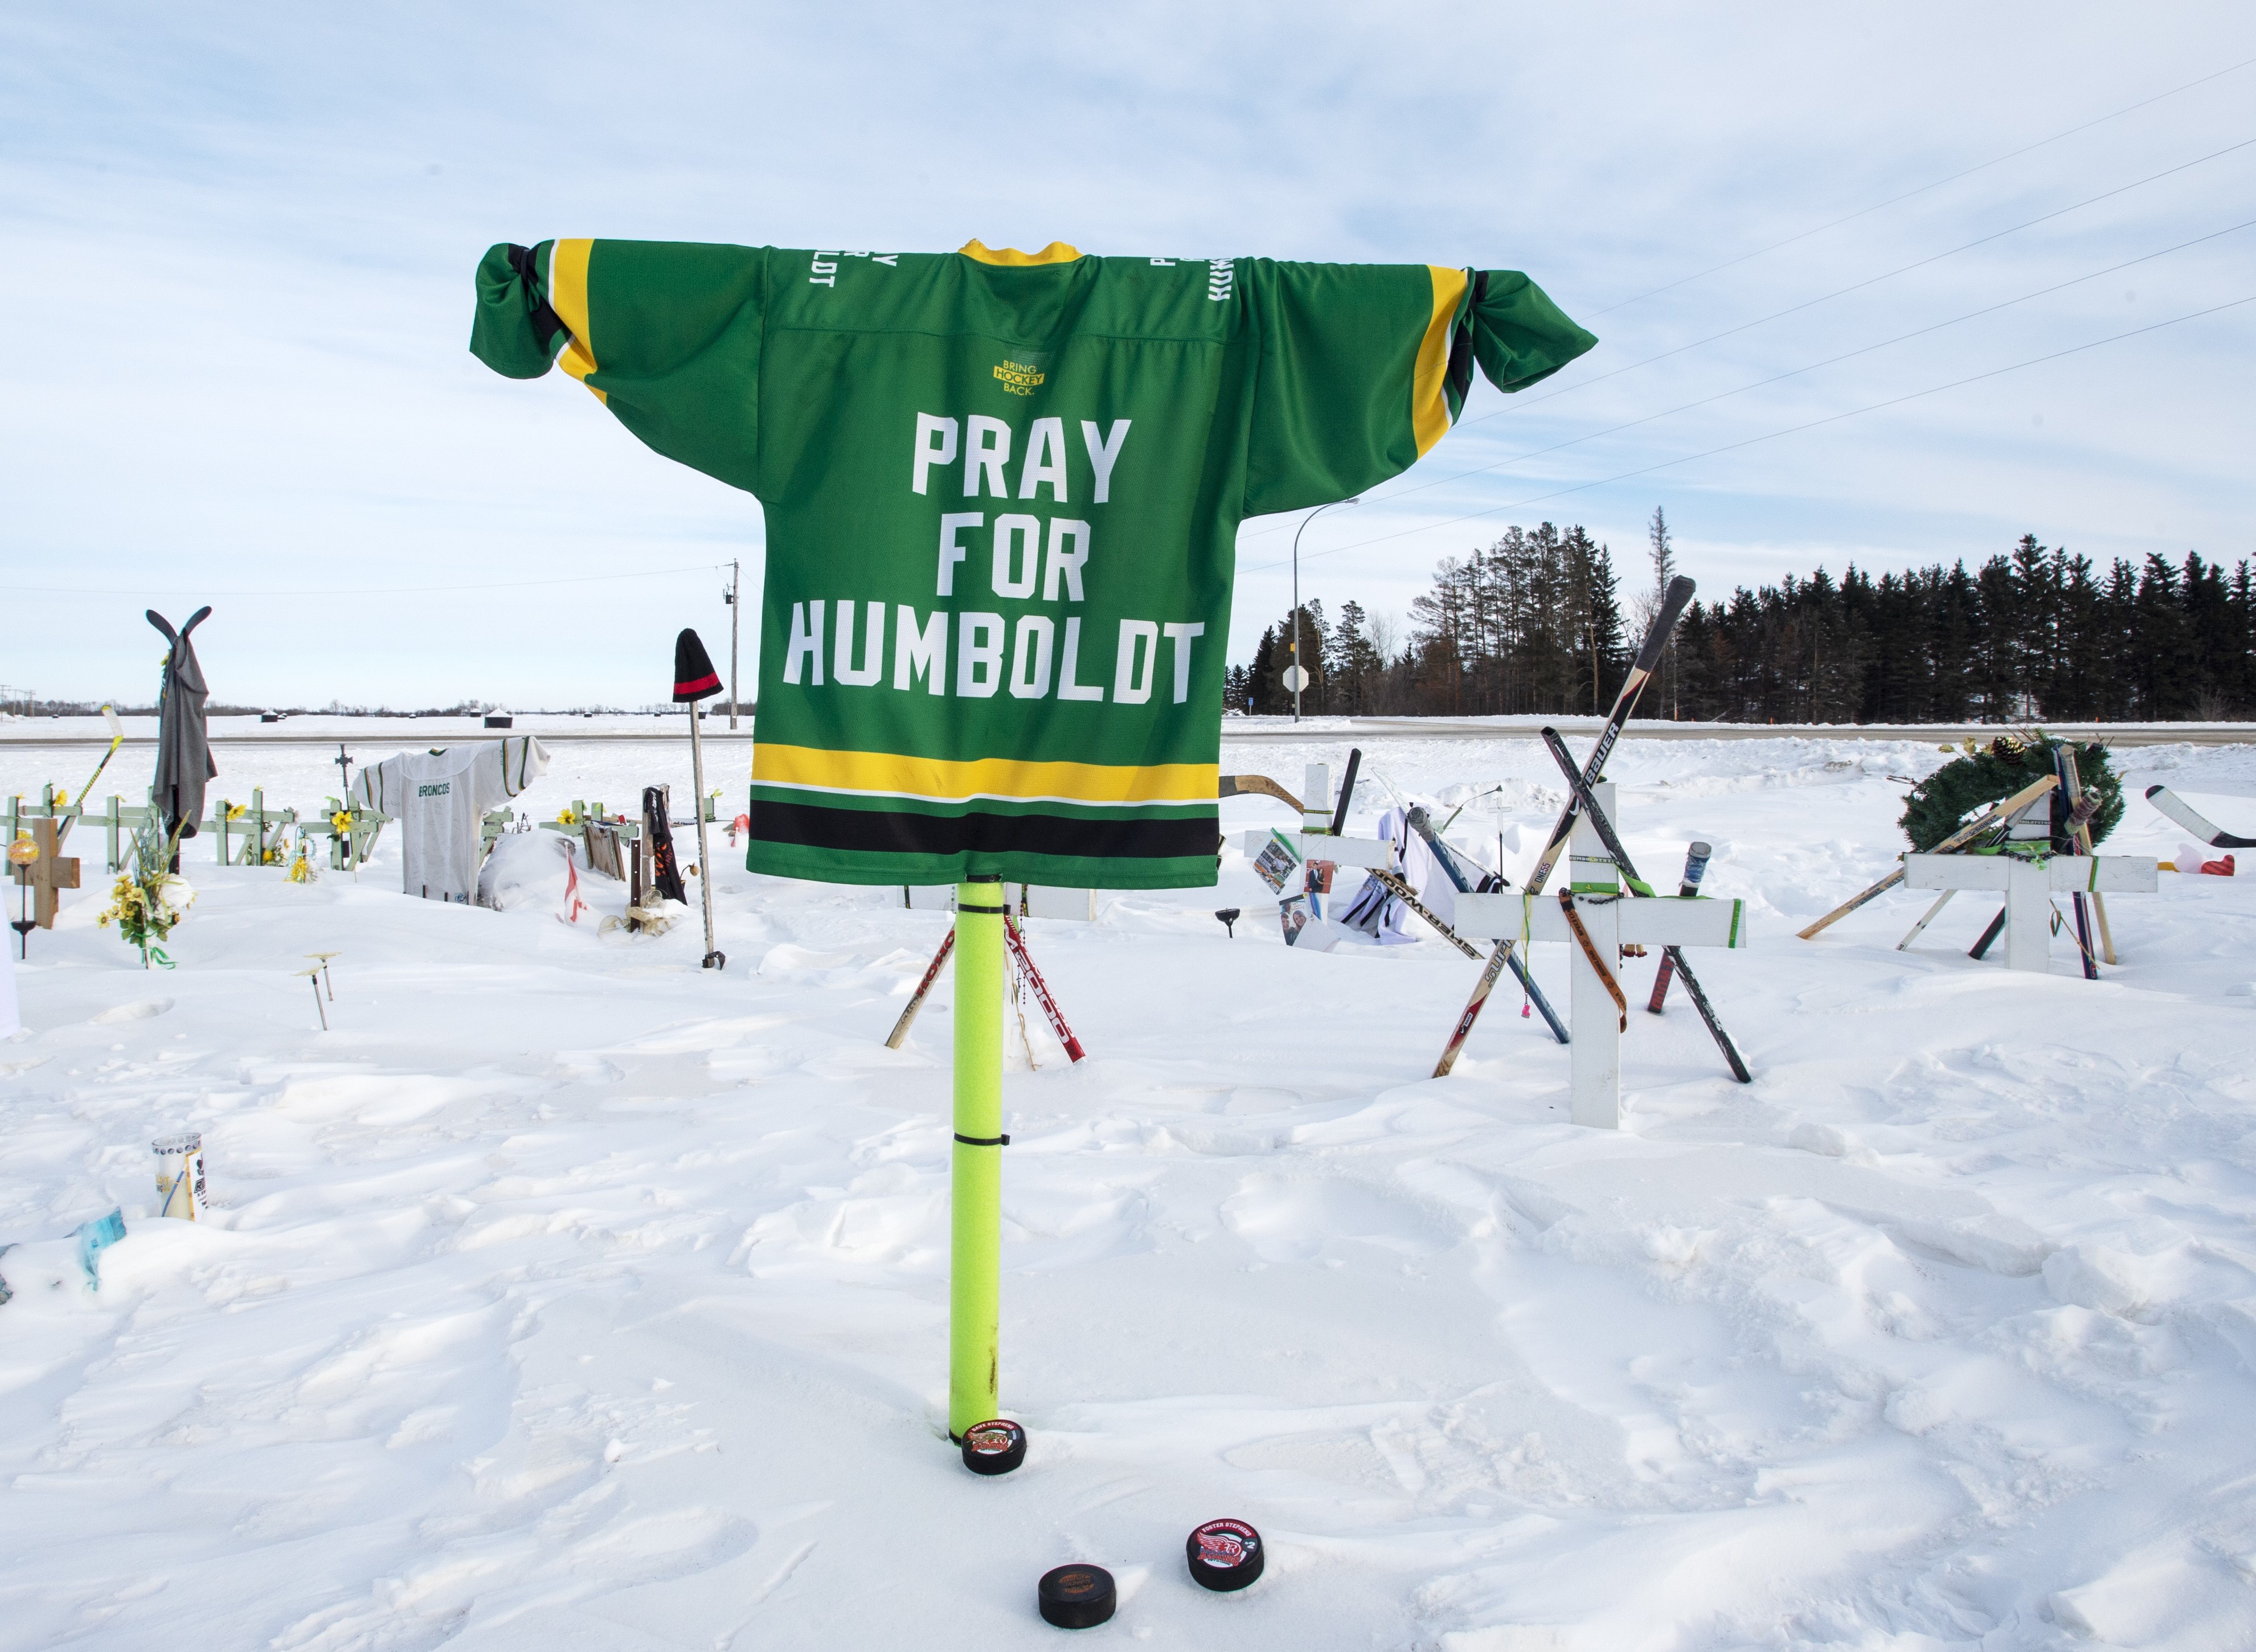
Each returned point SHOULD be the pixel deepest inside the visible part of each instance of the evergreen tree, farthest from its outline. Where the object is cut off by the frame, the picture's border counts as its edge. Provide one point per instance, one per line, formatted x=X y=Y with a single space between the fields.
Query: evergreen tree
x=1262 y=691
x=1532 y=623
x=1663 y=546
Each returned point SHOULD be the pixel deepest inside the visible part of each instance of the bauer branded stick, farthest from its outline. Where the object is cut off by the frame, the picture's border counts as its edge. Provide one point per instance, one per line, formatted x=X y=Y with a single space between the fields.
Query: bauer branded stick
x=1644 y=892
x=1648 y=657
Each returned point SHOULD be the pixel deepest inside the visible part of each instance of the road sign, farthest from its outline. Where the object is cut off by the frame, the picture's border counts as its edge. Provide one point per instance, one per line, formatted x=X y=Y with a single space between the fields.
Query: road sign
x=1296 y=679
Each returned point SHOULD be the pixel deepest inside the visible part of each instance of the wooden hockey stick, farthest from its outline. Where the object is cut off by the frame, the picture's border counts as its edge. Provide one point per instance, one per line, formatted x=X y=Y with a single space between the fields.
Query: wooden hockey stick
x=1920 y=928
x=924 y=987
x=1958 y=840
x=1591 y=951
x=1257 y=785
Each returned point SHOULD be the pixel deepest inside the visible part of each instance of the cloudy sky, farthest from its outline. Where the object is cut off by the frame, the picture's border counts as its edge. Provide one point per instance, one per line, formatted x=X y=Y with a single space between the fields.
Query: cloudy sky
x=239 y=245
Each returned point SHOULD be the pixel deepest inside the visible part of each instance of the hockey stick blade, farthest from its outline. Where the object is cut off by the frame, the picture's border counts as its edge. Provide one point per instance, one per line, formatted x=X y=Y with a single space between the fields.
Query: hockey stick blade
x=2184 y=813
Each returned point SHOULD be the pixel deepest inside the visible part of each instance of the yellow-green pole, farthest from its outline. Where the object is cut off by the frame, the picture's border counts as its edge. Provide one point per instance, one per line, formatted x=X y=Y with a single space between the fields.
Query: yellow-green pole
x=975 y=1276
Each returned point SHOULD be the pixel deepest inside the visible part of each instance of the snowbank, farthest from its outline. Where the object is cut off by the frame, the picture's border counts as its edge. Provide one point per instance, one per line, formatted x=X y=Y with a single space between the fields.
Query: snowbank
x=568 y=1295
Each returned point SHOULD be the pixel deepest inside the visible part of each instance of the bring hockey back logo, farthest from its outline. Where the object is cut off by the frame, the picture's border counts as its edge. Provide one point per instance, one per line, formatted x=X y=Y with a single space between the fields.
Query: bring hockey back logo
x=1020 y=378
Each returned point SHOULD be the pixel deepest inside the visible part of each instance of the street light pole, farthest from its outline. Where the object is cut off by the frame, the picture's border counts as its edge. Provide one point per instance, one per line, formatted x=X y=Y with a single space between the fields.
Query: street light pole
x=1301 y=675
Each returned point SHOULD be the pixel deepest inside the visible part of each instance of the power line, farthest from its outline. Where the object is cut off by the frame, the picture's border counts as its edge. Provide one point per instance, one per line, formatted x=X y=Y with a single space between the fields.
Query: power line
x=1680 y=349
x=1830 y=419
x=1890 y=275
x=1831 y=361
x=366 y=590
x=1836 y=223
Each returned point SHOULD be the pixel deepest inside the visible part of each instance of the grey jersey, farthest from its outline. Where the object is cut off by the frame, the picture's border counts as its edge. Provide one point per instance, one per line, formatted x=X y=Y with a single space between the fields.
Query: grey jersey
x=440 y=799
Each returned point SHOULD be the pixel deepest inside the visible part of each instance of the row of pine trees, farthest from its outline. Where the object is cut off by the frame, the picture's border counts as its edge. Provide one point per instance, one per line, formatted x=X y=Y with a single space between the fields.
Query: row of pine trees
x=1538 y=623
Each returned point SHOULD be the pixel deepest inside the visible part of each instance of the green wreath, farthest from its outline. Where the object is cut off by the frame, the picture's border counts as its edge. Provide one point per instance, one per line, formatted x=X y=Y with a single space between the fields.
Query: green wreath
x=1960 y=790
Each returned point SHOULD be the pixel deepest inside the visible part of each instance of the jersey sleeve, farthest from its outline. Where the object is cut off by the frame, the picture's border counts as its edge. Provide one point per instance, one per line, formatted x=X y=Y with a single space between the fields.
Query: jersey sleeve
x=1364 y=368
x=667 y=335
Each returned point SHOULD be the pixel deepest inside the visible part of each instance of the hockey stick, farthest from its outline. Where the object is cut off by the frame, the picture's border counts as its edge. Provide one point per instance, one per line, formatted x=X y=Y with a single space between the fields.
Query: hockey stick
x=2184 y=813
x=1612 y=840
x=116 y=738
x=2074 y=782
x=1696 y=867
x=1347 y=789
x=916 y=999
x=1958 y=840
x=2079 y=842
x=1927 y=918
x=1590 y=951
x=1401 y=890
x=1257 y=785
x=1640 y=671
x=1981 y=948
x=1056 y=1017
x=1422 y=823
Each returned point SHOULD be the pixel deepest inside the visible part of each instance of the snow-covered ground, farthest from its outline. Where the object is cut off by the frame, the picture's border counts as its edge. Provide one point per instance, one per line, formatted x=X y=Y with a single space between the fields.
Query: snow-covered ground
x=564 y=1295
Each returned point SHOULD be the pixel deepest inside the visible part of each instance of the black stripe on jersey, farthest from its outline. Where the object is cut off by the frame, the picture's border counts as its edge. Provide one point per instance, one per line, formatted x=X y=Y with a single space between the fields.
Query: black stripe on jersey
x=889 y=832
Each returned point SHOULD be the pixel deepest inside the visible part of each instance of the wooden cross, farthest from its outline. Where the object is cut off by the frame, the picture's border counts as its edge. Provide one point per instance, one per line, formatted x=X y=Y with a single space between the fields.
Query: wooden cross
x=2028 y=886
x=1608 y=920
x=48 y=876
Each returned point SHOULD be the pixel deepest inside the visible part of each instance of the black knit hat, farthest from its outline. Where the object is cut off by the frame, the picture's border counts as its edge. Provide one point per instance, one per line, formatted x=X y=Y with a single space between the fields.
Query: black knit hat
x=693 y=676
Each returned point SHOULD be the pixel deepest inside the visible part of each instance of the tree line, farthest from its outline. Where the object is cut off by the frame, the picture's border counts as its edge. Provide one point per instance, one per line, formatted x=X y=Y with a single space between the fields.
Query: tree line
x=1537 y=623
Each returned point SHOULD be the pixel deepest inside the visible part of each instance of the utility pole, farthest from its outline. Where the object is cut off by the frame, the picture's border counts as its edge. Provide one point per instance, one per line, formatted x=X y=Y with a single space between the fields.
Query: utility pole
x=735 y=575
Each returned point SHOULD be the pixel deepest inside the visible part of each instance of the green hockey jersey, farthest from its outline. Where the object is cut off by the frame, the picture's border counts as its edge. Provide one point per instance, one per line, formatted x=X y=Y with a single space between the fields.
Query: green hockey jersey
x=1003 y=492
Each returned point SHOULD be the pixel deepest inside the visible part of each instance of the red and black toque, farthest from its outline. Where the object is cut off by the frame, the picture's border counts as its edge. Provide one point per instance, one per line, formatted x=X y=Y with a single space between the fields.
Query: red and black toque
x=693 y=676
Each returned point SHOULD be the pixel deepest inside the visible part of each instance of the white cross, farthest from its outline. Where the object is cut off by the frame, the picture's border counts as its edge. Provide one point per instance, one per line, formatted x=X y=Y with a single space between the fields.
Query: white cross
x=1612 y=919
x=2029 y=887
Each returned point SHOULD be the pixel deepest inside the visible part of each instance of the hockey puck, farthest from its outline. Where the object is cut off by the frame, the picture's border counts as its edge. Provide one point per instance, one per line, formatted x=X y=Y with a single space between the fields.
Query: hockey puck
x=995 y=1447
x=1223 y=1554
x=1076 y=1597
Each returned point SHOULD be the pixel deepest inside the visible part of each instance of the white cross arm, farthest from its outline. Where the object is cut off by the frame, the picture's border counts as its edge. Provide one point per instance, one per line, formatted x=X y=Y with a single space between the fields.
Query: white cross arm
x=1664 y=920
x=1375 y=853
x=2064 y=874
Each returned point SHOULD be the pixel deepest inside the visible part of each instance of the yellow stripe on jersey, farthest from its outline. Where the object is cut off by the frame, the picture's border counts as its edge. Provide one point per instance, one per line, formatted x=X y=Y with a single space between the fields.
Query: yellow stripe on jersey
x=1429 y=402
x=1056 y=252
x=942 y=780
x=567 y=296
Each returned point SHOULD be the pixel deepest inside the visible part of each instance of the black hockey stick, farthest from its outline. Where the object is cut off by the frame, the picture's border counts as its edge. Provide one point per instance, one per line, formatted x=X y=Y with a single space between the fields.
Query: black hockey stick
x=1638 y=887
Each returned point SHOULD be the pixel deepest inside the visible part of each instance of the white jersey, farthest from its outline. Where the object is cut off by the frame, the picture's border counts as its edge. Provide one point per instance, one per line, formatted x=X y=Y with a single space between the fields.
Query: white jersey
x=440 y=799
